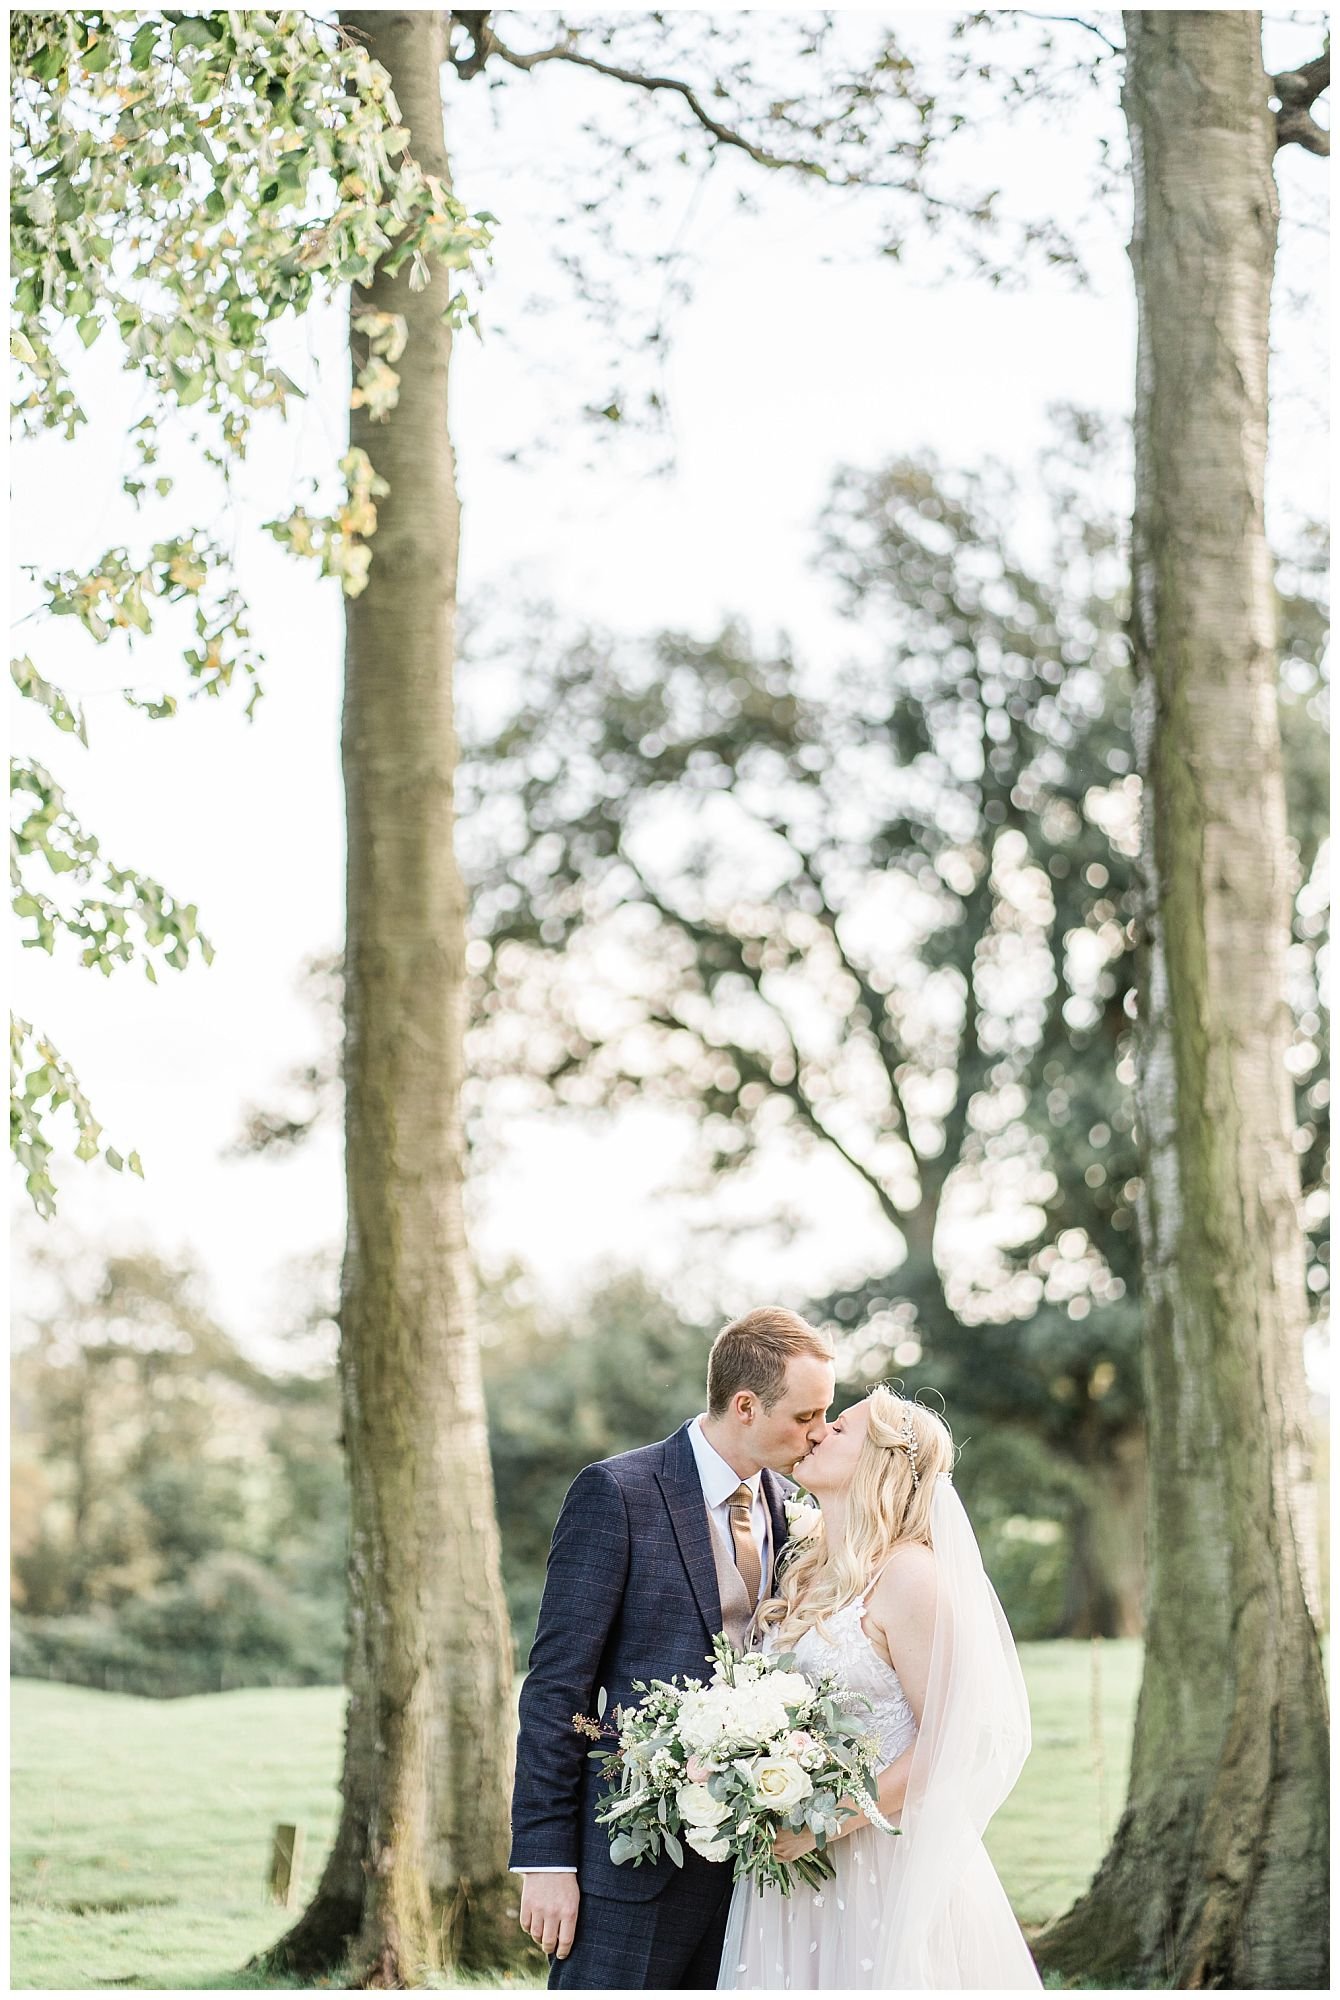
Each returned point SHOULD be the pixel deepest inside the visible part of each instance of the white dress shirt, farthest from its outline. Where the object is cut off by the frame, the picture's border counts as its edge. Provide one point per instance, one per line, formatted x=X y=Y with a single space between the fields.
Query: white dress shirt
x=720 y=1485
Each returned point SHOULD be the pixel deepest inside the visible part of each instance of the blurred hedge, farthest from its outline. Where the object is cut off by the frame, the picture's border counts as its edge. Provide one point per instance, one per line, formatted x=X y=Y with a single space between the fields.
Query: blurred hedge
x=228 y=1625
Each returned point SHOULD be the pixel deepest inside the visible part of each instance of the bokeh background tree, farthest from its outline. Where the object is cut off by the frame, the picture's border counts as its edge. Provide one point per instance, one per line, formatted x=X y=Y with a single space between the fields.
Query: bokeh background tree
x=891 y=919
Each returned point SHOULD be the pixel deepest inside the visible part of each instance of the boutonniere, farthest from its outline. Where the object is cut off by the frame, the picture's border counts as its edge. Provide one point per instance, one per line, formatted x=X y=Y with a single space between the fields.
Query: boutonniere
x=802 y=1516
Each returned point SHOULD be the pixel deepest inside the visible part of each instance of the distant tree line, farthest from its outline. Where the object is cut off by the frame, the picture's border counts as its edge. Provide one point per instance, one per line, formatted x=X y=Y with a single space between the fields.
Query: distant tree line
x=180 y=1518
x=179 y=1515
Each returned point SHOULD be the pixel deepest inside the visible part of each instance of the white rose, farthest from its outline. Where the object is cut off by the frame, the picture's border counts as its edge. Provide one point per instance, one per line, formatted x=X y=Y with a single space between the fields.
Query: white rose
x=779 y=1783
x=791 y=1690
x=802 y=1519
x=711 y=1850
x=698 y=1809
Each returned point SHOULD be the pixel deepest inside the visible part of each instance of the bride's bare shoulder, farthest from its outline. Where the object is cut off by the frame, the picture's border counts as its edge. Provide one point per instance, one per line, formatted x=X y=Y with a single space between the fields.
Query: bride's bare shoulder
x=911 y=1559
x=907 y=1579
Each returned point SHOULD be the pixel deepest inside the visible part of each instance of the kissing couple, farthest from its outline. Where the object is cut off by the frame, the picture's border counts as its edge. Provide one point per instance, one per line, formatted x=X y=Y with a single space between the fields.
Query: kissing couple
x=658 y=1550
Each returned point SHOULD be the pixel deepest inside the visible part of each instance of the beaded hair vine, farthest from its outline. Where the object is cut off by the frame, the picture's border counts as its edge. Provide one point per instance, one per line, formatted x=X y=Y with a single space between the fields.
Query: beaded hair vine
x=907 y=1438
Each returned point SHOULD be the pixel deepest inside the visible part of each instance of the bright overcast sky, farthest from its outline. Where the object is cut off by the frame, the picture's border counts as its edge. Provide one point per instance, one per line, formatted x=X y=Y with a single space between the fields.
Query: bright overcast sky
x=783 y=366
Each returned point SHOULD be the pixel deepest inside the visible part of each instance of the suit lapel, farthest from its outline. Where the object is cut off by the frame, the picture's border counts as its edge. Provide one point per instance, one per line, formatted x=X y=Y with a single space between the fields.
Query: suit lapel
x=775 y=1497
x=682 y=1491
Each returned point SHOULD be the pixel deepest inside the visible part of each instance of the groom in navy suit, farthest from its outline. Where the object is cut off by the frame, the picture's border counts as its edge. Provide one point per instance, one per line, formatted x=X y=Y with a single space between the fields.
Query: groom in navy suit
x=655 y=1552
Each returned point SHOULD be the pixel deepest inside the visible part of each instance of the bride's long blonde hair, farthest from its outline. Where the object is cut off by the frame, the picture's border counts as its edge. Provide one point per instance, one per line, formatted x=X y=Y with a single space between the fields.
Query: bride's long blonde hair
x=885 y=1507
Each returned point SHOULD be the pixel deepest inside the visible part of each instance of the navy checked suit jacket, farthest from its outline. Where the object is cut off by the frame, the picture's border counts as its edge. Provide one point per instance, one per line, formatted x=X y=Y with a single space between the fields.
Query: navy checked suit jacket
x=630 y=1594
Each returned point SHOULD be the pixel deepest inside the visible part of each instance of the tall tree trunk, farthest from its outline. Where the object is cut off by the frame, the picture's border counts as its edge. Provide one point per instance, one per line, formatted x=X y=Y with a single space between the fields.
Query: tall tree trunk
x=1105 y=1583
x=417 y=1877
x=1218 y=1873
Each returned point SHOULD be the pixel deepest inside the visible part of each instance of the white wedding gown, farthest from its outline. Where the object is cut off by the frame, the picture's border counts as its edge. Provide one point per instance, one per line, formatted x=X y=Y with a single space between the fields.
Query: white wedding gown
x=924 y=1908
x=828 y=1938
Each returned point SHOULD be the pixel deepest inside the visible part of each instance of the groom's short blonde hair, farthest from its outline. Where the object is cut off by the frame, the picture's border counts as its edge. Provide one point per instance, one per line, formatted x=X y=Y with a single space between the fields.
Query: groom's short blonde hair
x=754 y=1353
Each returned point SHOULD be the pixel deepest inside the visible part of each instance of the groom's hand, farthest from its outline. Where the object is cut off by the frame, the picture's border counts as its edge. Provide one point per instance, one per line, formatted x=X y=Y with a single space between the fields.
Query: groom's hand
x=549 y=1911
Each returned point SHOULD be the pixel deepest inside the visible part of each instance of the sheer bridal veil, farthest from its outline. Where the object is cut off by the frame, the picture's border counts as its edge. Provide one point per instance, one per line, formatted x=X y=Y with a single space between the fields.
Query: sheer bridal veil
x=949 y=1923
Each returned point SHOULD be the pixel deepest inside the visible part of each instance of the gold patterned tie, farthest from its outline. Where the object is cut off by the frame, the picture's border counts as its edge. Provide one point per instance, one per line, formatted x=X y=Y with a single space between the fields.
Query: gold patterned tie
x=746 y=1548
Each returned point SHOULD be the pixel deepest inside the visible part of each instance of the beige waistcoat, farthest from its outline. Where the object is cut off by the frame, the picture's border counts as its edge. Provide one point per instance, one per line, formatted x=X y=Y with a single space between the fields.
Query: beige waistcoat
x=736 y=1610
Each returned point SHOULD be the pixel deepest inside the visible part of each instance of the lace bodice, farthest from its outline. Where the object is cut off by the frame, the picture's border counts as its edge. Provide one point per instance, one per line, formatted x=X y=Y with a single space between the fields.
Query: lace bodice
x=847 y=1652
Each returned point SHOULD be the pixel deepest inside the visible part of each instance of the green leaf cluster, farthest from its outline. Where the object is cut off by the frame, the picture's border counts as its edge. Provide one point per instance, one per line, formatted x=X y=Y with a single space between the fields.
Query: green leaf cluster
x=184 y=182
x=134 y=919
x=183 y=185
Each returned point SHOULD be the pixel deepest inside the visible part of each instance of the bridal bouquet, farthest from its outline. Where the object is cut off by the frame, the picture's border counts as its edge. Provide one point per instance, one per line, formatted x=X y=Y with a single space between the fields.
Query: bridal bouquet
x=727 y=1766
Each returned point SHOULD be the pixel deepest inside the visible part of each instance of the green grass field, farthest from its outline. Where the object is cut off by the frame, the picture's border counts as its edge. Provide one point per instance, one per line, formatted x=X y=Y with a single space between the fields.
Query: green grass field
x=140 y=1830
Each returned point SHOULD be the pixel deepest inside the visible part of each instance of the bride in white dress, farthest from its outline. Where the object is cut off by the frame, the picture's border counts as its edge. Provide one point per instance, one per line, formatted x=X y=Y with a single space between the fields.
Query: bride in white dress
x=889 y=1592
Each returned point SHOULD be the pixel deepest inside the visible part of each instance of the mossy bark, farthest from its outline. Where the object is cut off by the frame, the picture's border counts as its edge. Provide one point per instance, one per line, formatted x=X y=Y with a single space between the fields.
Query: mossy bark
x=417 y=1878
x=1218 y=1872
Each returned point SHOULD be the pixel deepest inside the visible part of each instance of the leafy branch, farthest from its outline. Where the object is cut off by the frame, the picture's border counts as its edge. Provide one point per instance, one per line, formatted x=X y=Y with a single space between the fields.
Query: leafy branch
x=182 y=184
